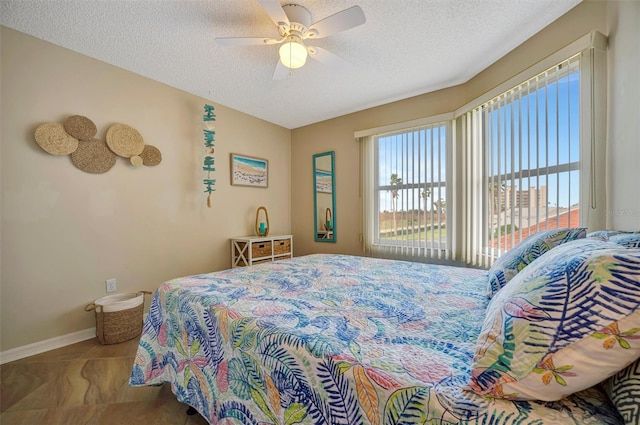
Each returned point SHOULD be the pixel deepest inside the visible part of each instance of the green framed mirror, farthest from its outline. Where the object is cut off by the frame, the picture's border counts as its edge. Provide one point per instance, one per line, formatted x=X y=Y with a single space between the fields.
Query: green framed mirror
x=324 y=197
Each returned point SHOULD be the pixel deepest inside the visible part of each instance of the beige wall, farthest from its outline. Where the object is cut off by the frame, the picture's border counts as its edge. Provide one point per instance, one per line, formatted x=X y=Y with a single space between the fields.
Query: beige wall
x=337 y=134
x=623 y=149
x=65 y=231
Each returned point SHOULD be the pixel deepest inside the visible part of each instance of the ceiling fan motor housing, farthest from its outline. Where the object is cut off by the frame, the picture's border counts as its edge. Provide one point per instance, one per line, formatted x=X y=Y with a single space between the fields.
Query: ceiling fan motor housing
x=299 y=18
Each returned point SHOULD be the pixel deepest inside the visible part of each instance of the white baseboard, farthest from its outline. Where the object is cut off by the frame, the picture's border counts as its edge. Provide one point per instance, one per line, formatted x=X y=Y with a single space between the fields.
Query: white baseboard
x=46 y=345
x=50 y=344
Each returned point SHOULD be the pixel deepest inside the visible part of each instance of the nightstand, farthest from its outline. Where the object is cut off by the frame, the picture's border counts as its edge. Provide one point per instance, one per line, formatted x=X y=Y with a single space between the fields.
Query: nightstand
x=250 y=250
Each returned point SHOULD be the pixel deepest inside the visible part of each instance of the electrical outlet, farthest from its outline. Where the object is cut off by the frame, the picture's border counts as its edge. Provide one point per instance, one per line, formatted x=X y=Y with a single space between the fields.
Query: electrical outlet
x=111 y=285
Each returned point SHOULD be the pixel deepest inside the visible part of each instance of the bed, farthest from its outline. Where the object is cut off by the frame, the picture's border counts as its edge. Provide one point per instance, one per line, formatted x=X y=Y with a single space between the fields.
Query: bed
x=334 y=339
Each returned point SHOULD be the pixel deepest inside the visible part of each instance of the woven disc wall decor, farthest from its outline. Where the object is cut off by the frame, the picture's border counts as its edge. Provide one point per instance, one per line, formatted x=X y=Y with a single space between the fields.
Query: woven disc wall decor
x=151 y=155
x=82 y=128
x=136 y=161
x=52 y=138
x=93 y=156
x=124 y=140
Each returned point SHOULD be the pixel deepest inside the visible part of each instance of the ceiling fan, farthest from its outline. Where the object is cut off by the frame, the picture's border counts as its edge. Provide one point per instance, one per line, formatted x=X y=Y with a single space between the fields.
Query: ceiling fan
x=295 y=27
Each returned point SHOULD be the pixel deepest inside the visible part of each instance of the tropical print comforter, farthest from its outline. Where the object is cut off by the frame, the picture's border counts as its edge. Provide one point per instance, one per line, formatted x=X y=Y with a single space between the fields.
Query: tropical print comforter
x=333 y=339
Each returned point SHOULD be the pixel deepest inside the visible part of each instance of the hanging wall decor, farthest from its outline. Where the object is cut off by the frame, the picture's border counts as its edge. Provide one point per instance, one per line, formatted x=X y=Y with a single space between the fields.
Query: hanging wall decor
x=93 y=156
x=209 y=145
x=151 y=155
x=76 y=137
x=54 y=140
x=82 y=128
x=125 y=141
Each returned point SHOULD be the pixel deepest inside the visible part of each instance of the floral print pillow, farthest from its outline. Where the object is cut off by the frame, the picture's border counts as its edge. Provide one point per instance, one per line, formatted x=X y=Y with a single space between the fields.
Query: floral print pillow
x=603 y=234
x=565 y=323
x=521 y=255
x=629 y=240
x=623 y=389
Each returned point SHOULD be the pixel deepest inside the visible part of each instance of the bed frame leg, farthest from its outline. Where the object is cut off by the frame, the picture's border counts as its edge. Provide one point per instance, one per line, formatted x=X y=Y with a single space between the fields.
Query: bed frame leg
x=191 y=411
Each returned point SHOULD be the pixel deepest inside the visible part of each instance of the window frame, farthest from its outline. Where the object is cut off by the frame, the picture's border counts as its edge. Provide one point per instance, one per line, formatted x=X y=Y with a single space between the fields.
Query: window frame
x=513 y=123
x=427 y=250
x=591 y=49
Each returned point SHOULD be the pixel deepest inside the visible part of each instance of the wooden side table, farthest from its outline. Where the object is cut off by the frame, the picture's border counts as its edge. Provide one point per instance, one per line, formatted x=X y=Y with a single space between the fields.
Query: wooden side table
x=250 y=250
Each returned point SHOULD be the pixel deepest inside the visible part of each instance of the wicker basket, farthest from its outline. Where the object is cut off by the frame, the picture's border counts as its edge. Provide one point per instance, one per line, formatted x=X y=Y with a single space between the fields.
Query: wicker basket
x=281 y=246
x=261 y=249
x=118 y=317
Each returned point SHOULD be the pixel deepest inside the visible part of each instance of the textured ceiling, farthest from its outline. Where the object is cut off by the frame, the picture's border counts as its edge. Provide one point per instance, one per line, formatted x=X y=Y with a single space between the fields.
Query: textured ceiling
x=406 y=47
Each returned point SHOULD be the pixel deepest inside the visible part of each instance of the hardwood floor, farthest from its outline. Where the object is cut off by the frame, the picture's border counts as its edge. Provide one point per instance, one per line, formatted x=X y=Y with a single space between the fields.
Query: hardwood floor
x=85 y=384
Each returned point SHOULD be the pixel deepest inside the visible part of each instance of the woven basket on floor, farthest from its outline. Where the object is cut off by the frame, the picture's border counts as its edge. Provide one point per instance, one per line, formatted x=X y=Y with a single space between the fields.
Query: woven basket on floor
x=118 y=317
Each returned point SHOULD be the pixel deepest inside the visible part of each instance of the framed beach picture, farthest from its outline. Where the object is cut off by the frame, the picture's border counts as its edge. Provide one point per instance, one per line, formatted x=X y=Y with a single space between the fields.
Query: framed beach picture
x=323 y=181
x=249 y=171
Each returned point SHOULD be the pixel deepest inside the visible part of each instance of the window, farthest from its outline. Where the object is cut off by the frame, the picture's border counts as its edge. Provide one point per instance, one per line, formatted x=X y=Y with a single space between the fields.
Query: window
x=532 y=151
x=532 y=159
x=527 y=156
x=409 y=211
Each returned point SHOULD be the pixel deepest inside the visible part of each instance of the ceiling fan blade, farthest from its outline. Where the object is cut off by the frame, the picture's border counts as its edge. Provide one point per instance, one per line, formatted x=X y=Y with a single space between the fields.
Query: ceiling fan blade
x=337 y=22
x=245 y=41
x=281 y=72
x=330 y=59
x=275 y=11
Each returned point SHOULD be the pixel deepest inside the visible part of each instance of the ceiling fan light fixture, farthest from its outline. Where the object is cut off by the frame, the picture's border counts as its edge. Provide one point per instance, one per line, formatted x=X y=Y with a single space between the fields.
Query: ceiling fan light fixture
x=293 y=54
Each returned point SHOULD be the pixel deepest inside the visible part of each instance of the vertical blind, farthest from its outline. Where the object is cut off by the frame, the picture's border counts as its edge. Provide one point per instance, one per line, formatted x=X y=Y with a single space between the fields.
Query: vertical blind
x=521 y=152
x=408 y=207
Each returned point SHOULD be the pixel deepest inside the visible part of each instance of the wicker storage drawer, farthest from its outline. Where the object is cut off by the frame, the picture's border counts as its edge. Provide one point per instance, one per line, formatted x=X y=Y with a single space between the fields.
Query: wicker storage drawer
x=266 y=260
x=260 y=249
x=281 y=246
